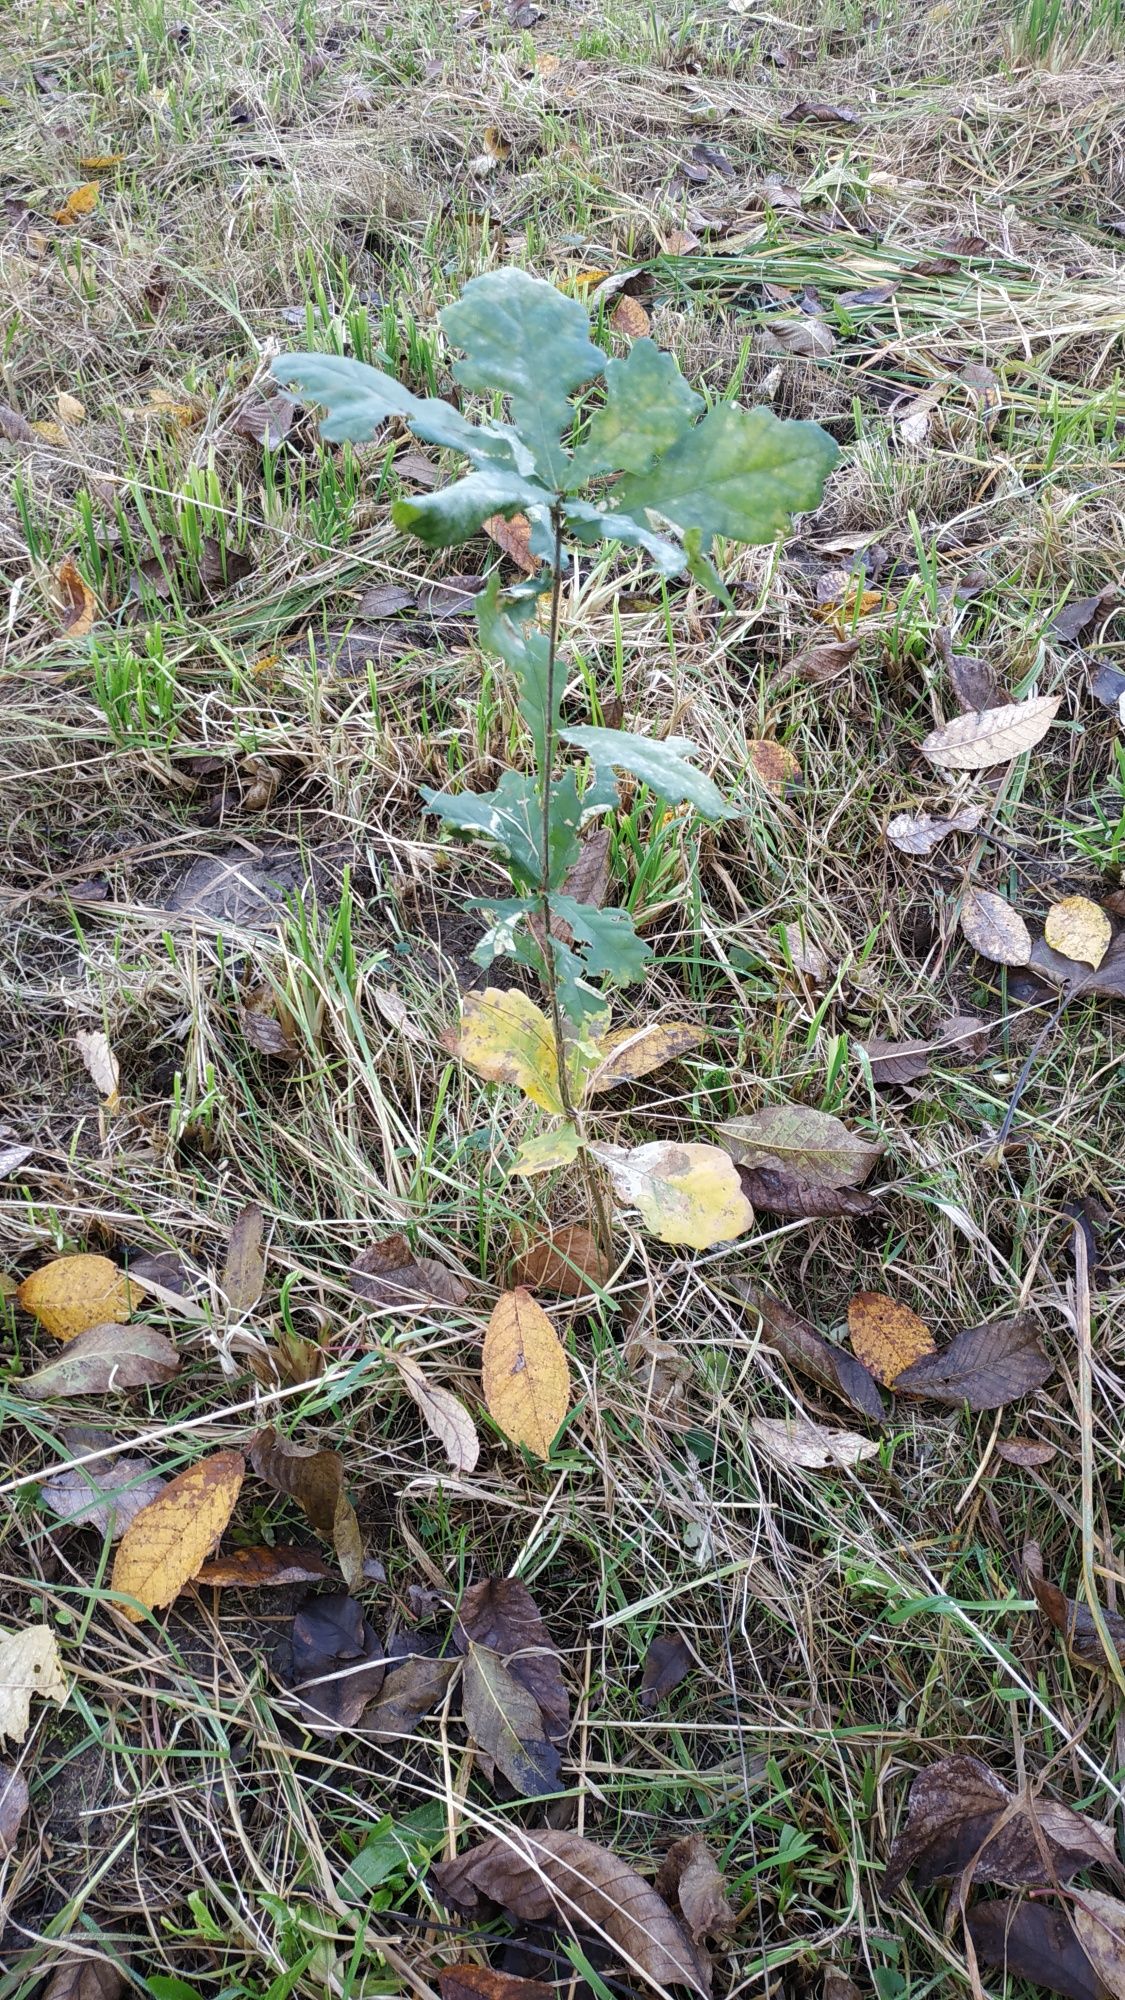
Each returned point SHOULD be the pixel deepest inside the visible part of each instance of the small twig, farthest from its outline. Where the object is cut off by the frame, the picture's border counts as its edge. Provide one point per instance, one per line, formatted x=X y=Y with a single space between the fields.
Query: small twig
x=1051 y=1022
x=1083 y=1329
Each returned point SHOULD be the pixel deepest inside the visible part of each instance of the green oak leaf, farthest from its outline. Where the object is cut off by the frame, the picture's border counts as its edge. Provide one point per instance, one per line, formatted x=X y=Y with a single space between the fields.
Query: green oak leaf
x=509 y=816
x=590 y=523
x=612 y=948
x=452 y=514
x=358 y=399
x=741 y=473
x=648 y=405
x=659 y=762
x=522 y=335
x=505 y=628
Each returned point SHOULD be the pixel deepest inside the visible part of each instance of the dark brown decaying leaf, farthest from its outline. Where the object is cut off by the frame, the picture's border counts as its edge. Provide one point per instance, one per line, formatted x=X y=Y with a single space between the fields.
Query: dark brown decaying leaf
x=955 y=1809
x=690 y=1882
x=1106 y=980
x=804 y=1349
x=1033 y=1941
x=312 y=1477
x=385 y=600
x=785 y=1194
x=264 y=1026
x=985 y=1367
x=904 y=1062
x=337 y=1665
x=413 y=1688
x=545 y=1875
x=220 y=567
x=824 y=661
x=389 y=1274
x=1075 y=1621
x=14 y=1800
x=502 y=1614
x=263 y=1567
x=85 y=1978
x=668 y=1661
x=815 y=112
x=973 y=681
x=265 y=419
x=104 y=1358
x=1070 y=622
x=245 y=1268
x=506 y=1722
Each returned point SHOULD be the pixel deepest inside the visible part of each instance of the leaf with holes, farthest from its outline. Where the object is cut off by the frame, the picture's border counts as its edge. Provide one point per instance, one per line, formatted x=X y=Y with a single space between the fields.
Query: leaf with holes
x=796 y=1441
x=686 y=1194
x=524 y=1372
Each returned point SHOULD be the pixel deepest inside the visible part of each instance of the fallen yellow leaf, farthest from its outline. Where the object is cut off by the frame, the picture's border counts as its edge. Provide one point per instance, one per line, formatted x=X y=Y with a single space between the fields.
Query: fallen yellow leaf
x=71 y=1294
x=1079 y=929
x=524 y=1372
x=584 y=281
x=629 y=1053
x=49 y=432
x=887 y=1337
x=70 y=408
x=98 y=163
x=29 y=1664
x=81 y=201
x=168 y=1542
x=685 y=1194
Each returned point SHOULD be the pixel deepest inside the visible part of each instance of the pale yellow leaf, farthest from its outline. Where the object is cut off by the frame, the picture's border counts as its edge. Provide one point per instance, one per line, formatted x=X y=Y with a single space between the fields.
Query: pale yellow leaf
x=1079 y=929
x=50 y=433
x=685 y=1193
x=887 y=1336
x=989 y=736
x=168 y=1542
x=524 y=1372
x=29 y=1664
x=796 y=1441
x=101 y=1063
x=71 y=1294
x=445 y=1414
x=546 y=1151
x=71 y=410
x=506 y=1038
x=629 y=1053
x=994 y=929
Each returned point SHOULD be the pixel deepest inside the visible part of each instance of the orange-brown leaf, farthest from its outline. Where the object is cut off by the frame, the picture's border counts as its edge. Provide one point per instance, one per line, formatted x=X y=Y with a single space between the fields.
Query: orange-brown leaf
x=887 y=1336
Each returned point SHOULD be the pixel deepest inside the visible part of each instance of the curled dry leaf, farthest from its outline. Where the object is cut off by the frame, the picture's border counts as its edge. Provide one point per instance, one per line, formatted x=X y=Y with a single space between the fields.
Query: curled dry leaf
x=244 y=1272
x=315 y=1479
x=29 y=1664
x=956 y=1807
x=1033 y=1941
x=79 y=605
x=990 y=736
x=1072 y=619
x=262 y=1568
x=71 y=1294
x=566 y=1261
x=994 y=929
x=887 y=1336
x=804 y=1349
x=630 y=1053
x=337 y=1663
x=501 y=1613
x=514 y=537
x=660 y=1370
x=797 y=1441
x=390 y=1274
x=690 y=1882
x=919 y=833
x=822 y=662
x=14 y=1800
x=104 y=1495
x=668 y=1661
x=784 y=1194
x=505 y=1721
x=1079 y=929
x=1099 y=1924
x=265 y=419
x=446 y=1416
x=167 y=1543
x=524 y=1372
x=466 y=1981
x=102 y=1359
x=687 y=1194
x=794 y=1139
x=268 y=1027
x=1076 y=1622
x=985 y=1367
x=548 y=1876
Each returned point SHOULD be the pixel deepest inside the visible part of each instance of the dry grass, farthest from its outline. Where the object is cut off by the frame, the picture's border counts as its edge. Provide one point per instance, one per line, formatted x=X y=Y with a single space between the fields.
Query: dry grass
x=848 y=1629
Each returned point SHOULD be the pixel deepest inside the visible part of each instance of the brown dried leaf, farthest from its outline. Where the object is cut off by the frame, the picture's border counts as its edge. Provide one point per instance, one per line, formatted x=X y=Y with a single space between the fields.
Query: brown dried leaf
x=808 y=1352
x=412 y=1689
x=1033 y=1941
x=167 y=1543
x=1106 y=979
x=668 y=1661
x=630 y=318
x=794 y=1139
x=501 y=1613
x=337 y=1665
x=887 y=1336
x=104 y=1495
x=919 y=833
x=985 y=1367
x=954 y=1806
x=814 y=111
x=14 y=1801
x=266 y=1027
x=265 y=419
x=1071 y=621
x=70 y=1295
x=505 y=1721
x=690 y=1881
x=822 y=662
x=1026 y=1452
x=524 y=1372
x=104 y=1358
x=389 y=1274
x=781 y=1193
x=514 y=537
x=1099 y=1924
x=774 y=765
x=546 y=1876
x=975 y=742
x=100 y=1062
x=447 y=1418
x=466 y=1981
x=244 y=1272
x=566 y=1261
x=627 y=1054
x=263 y=1568
x=905 y=1062
x=80 y=606
x=305 y=1473
x=85 y=1978
x=1074 y=1621
x=15 y=428
x=994 y=929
